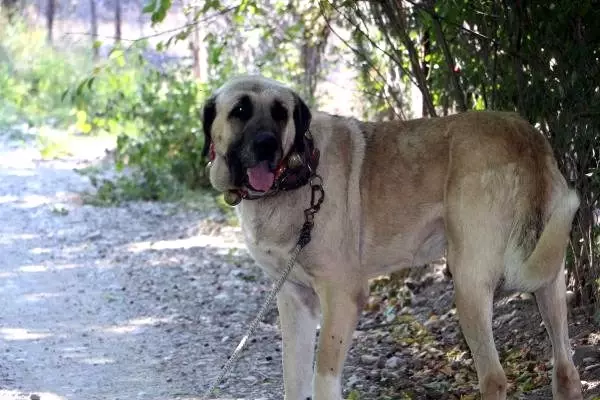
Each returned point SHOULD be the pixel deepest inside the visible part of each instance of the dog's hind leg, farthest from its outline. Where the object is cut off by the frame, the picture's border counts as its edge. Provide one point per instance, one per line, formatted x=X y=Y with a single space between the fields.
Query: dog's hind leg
x=552 y=304
x=478 y=233
x=341 y=304
x=474 y=302
x=298 y=313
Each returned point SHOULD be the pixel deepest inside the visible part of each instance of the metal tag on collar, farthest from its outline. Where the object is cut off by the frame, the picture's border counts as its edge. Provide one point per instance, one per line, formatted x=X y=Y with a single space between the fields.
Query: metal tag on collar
x=233 y=197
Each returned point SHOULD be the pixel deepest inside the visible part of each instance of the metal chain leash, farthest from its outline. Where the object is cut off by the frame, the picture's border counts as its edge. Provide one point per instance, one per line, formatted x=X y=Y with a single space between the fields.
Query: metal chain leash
x=316 y=199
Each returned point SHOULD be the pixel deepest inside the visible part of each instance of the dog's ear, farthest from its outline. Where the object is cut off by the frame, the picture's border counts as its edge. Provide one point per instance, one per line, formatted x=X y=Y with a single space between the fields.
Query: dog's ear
x=302 y=118
x=209 y=112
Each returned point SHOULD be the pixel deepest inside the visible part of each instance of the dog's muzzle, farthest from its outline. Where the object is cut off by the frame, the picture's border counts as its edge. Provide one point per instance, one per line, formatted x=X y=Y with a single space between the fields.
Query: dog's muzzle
x=259 y=159
x=264 y=147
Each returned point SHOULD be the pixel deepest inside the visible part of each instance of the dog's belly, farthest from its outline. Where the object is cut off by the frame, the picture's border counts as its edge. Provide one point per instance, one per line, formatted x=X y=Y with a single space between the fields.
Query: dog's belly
x=427 y=243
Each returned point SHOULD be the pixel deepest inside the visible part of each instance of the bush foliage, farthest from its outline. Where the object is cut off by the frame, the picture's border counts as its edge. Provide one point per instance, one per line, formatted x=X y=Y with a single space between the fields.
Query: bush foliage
x=33 y=77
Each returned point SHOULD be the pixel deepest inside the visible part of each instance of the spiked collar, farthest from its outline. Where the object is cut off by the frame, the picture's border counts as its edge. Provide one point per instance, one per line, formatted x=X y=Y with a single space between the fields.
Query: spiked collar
x=293 y=171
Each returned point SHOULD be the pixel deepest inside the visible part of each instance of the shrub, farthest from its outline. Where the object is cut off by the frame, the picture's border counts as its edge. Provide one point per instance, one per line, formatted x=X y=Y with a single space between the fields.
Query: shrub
x=152 y=111
x=33 y=77
x=155 y=115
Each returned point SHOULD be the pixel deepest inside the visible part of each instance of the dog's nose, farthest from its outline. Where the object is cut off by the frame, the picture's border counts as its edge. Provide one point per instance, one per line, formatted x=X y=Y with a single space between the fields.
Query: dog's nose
x=265 y=146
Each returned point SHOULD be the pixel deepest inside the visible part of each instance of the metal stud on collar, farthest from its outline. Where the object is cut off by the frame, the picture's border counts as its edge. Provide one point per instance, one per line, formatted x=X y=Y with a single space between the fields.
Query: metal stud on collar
x=295 y=161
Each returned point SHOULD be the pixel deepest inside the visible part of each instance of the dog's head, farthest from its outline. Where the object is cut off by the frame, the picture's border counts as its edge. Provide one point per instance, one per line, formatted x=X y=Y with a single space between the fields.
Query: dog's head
x=252 y=123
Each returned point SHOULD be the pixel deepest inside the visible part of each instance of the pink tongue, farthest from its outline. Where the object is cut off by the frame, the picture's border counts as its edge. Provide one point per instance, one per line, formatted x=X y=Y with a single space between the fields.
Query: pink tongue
x=260 y=177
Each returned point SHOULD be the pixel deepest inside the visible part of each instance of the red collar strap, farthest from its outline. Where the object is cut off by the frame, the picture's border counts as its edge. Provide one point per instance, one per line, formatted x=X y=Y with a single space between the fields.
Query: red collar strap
x=293 y=172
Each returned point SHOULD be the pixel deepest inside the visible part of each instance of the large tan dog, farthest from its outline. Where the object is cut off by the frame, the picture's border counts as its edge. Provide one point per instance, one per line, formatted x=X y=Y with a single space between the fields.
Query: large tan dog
x=483 y=185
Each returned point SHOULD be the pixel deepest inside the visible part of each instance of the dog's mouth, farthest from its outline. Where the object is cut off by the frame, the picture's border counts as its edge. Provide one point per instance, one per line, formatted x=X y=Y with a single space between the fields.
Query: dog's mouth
x=253 y=162
x=261 y=177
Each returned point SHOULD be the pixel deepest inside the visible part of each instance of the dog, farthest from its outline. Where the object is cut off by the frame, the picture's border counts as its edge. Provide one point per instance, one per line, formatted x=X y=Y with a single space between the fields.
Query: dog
x=484 y=187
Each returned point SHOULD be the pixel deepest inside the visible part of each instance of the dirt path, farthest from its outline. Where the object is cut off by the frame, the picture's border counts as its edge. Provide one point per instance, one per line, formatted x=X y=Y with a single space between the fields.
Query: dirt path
x=146 y=300
x=139 y=301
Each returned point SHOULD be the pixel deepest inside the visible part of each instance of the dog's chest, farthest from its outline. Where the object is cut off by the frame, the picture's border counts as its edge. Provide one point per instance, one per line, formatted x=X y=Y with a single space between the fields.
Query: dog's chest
x=270 y=235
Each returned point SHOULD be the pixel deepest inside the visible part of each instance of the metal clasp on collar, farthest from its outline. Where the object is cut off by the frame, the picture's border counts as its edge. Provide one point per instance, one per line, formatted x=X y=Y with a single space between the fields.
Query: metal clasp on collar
x=317 y=196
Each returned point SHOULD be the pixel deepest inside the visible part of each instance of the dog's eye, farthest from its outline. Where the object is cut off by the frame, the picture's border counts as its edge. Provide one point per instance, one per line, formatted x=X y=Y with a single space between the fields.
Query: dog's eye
x=279 y=112
x=242 y=110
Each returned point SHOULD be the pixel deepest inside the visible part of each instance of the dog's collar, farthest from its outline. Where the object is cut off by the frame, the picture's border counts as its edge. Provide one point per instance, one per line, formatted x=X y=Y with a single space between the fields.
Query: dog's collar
x=293 y=171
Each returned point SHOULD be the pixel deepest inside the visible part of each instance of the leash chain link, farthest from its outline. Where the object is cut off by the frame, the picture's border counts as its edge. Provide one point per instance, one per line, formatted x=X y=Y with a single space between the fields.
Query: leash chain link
x=316 y=199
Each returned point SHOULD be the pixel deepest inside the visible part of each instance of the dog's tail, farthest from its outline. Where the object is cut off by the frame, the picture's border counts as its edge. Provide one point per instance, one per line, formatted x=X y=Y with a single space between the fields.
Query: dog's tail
x=546 y=260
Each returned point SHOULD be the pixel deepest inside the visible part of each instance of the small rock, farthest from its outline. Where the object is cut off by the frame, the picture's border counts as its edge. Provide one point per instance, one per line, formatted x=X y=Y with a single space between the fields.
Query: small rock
x=368 y=359
x=390 y=374
x=432 y=321
x=526 y=296
x=94 y=235
x=591 y=367
x=34 y=397
x=583 y=352
x=60 y=209
x=588 y=360
x=387 y=340
x=392 y=362
x=501 y=320
x=375 y=373
x=357 y=334
x=221 y=296
x=350 y=382
x=417 y=364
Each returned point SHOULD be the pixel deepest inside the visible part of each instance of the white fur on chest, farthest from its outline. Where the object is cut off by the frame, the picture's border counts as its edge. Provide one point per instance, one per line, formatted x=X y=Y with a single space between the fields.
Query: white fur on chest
x=270 y=234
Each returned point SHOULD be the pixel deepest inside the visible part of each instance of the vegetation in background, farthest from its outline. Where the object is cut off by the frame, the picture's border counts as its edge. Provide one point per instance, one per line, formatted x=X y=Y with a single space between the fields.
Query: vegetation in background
x=33 y=77
x=155 y=116
x=538 y=58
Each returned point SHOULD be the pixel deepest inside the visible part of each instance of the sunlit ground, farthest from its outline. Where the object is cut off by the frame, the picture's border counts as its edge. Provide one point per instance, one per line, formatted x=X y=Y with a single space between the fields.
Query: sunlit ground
x=18 y=395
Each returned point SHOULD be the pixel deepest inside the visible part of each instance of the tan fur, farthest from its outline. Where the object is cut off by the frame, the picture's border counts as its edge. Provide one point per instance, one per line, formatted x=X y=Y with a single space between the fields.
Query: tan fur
x=482 y=185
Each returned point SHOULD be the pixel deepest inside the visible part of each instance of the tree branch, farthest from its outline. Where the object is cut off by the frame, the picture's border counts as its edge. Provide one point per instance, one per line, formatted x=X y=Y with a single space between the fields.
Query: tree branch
x=399 y=20
x=458 y=92
x=180 y=28
x=366 y=59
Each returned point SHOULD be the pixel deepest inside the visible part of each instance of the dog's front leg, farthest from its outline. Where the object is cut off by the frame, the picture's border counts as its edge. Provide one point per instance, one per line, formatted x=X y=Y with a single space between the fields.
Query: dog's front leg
x=341 y=305
x=298 y=312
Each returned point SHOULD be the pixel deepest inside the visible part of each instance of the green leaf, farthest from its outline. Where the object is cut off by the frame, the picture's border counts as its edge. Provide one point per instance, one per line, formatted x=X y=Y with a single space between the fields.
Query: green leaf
x=354 y=395
x=64 y=95
x=150 y=7
x=115 y=53
x=160 y=13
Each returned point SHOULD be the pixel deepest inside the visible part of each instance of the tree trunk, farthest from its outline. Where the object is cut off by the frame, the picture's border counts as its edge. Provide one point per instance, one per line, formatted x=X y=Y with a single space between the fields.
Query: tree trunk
x=94 y=21
x=195 y=48
x=311 y=56
x=395 y=13
x=50 y=10
x=452 y=74
x=118 y=21
x=426 y=43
